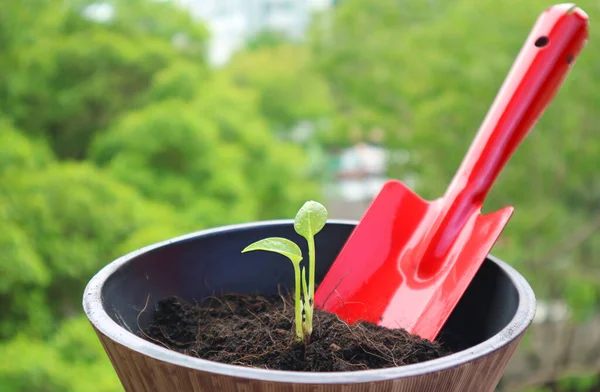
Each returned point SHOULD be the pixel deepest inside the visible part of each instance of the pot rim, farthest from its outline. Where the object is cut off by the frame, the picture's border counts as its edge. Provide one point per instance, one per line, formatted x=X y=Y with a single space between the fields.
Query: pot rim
x=92 y=304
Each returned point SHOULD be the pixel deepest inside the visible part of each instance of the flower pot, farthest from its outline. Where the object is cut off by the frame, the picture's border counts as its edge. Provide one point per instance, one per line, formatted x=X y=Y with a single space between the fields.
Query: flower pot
x=483 y=331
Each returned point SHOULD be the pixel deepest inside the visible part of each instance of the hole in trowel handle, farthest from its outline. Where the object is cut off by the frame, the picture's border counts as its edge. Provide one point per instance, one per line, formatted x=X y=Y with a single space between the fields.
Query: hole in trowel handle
x=542 y=41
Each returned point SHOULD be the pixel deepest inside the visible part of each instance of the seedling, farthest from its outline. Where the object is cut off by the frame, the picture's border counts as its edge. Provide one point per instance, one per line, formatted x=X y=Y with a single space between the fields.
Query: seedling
x=310 y=219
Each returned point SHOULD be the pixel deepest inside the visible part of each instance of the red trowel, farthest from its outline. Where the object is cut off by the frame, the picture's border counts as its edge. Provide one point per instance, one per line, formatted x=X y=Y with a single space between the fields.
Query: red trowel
x=409 y=261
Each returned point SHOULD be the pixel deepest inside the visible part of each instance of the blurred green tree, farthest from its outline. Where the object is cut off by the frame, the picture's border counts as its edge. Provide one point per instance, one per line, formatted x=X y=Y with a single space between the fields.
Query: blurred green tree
x=203 y=152
x=65 y=222
x=289 y=88
x=266 y=39
x=68 y=79
x=114 y=134
x=73 y=360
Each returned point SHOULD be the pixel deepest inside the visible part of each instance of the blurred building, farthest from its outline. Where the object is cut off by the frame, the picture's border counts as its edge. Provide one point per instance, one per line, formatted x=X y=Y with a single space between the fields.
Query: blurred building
x=362 y=172
x=232 y=22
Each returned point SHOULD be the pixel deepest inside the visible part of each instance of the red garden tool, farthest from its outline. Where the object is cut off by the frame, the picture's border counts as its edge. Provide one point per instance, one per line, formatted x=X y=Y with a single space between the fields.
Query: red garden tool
x=409 y=261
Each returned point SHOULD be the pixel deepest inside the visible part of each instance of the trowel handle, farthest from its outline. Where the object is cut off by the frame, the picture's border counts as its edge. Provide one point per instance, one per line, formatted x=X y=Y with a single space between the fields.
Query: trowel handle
x=554 y=43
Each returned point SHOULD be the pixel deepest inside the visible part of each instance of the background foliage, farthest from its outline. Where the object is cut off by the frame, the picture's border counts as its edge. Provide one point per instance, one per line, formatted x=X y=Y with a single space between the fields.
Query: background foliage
x=115 y=135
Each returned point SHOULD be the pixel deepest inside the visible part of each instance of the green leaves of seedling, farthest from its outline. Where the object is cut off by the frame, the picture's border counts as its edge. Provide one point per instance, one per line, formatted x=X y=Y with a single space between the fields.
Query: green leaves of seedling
x=310 y=219
x=279 y=245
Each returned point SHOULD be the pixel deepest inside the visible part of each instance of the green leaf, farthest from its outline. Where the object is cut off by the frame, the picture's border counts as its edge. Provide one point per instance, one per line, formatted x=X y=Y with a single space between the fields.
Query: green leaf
x=279 y=245
x=310 y=219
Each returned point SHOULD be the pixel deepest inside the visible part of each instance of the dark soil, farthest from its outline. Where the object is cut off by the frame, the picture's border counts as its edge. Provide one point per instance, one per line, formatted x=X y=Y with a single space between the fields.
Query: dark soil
x=257 y=331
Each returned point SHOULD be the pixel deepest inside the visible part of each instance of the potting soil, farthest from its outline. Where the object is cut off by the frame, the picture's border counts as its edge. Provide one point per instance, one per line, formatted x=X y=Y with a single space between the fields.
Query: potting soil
x=258 y=331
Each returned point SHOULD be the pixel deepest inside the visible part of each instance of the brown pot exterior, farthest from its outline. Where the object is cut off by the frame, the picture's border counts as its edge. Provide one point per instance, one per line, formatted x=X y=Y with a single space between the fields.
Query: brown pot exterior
x=140 y=373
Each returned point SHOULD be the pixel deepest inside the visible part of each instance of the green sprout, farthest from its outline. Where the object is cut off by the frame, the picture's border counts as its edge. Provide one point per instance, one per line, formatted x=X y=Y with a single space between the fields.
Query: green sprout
x=310 y=220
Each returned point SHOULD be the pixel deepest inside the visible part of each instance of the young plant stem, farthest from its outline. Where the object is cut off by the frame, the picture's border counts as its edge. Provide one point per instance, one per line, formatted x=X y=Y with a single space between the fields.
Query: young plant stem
x=298 y=305
x=305 y=303
x=311 y=287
